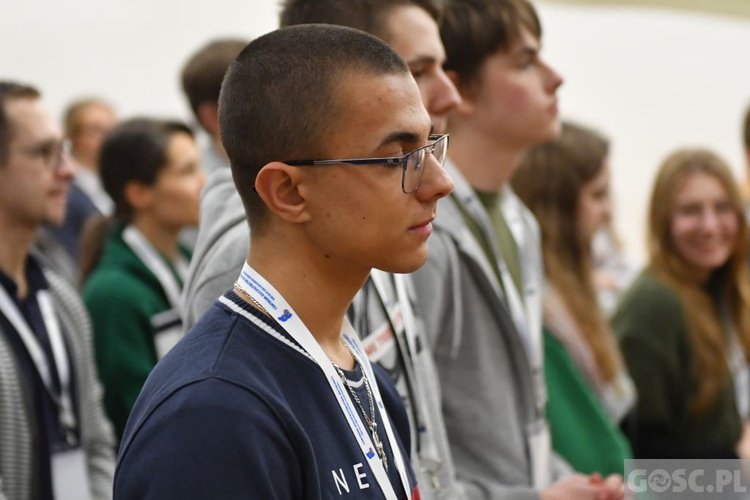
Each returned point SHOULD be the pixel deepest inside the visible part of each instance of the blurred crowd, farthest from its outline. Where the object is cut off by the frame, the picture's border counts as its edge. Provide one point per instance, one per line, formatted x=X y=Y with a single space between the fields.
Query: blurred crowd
x=531 y=356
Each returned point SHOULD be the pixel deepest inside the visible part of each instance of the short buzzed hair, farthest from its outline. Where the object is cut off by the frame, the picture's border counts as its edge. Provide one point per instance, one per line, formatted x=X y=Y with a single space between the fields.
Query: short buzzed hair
x=473 y=30
x=369 y=16
x=204 y=71
x=279 y=98
x=9 y=91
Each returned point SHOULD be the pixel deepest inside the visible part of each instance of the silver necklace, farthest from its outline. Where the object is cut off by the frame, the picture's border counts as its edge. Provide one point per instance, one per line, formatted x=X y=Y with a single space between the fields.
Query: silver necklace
x=369 y=420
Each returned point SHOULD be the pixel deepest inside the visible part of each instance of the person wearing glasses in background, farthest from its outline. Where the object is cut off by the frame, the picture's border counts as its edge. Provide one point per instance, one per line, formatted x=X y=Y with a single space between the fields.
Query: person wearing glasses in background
x=55 y=442
x=382 y=313
x=271 y=395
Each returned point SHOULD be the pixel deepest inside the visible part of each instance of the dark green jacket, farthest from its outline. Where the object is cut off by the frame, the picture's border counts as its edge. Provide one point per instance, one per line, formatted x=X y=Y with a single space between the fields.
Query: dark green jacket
x=651 y=325
x=582 y=432
x=122 y=296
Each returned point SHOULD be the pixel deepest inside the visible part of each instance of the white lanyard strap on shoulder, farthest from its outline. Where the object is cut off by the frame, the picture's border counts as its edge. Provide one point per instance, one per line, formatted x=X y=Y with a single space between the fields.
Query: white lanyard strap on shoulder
x=254 y=285
x=155 y=263
x=63 y=401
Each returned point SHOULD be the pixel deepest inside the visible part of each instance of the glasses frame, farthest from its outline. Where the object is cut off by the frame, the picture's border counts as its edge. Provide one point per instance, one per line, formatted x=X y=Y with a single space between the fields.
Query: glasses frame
x=389 y=161
x=52 y=156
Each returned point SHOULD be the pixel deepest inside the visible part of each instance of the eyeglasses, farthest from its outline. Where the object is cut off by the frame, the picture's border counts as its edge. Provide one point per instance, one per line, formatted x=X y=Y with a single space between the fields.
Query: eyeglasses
x=51 y=153
x=412 y=163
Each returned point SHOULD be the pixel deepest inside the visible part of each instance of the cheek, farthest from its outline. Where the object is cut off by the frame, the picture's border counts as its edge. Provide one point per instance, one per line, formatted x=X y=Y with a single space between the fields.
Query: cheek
x=681 y=230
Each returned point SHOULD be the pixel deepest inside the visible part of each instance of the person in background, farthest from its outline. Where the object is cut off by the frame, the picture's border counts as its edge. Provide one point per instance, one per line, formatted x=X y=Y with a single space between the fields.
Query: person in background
x=479 y=293
x=132 y=264
x=55 y=441
x=565 y=183
x=271 y=394
x=612 y=269
x=201 y=79
x=87 y=123
x=684 y=324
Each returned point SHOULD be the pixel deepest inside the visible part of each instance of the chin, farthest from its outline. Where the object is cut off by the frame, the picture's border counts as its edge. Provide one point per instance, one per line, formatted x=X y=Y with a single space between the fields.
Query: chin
x=407 y=266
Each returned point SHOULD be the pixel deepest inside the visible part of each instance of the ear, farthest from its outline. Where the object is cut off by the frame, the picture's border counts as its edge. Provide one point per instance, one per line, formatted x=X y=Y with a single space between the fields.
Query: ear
x=280 y=188
x=208 y=116
x=465 y=90
x=138 y=195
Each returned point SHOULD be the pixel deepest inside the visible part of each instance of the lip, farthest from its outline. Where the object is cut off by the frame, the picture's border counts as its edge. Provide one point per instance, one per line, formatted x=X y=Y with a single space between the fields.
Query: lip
x=423 y=228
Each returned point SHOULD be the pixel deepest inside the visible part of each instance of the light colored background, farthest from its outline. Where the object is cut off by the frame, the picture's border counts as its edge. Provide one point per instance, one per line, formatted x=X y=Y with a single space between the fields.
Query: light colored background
x=651 y=79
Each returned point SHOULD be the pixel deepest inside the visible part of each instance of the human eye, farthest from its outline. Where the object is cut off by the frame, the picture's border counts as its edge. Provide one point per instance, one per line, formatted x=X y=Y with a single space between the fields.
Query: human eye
x=724 y=207
x=690 y=210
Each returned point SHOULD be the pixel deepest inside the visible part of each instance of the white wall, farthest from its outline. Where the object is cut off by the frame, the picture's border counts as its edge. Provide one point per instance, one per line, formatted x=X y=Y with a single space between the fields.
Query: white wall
x=651 y=79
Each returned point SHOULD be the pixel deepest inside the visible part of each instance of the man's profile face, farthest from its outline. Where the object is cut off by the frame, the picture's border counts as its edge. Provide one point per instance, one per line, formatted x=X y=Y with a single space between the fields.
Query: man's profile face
x=359 y=214
x=414 y=35
x=515 y=99
x=34 y=179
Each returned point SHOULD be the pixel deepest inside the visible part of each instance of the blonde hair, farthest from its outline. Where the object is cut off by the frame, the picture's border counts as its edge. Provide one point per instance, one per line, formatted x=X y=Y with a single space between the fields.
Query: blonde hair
x=707 y=336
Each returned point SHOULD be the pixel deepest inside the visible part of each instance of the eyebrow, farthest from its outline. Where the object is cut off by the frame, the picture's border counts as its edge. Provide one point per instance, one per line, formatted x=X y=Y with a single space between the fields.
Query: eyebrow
x=409 y=137
x=425 y=59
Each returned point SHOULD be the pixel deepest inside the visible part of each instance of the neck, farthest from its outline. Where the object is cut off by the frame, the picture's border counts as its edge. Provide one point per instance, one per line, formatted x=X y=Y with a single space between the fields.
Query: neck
x=14 y=250
x=320 y=291
x=164 y=239
x=486 y=163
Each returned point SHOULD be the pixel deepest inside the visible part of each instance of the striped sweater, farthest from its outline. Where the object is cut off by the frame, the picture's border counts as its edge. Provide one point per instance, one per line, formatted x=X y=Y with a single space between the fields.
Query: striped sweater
x=16 y=419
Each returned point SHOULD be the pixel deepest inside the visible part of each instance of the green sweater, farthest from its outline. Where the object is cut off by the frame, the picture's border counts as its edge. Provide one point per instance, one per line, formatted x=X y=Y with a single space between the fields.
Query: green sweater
x=582 y=432
x=651 y=324
x=122 y=296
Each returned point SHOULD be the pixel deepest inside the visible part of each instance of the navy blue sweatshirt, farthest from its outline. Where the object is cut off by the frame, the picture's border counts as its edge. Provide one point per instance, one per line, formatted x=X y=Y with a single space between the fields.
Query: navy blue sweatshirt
x=237 y=410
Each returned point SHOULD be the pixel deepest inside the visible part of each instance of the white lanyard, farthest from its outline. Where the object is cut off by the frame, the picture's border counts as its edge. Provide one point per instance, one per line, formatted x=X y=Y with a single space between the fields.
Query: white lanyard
x=406 y=338
x=155 y=263
x=254 y=285
x=64 y=401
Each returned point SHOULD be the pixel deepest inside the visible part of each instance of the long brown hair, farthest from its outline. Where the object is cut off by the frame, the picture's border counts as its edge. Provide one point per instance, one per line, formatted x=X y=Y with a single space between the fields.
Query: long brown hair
x=708 y=339
x=550 y=181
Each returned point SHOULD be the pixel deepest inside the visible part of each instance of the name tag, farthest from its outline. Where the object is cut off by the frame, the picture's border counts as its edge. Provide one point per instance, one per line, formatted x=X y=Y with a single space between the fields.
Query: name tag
x=69 y=477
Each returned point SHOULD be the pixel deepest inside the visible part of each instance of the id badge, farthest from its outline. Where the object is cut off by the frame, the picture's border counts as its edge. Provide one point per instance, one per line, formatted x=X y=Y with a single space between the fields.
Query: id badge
x=69 y=477
x=540 y=449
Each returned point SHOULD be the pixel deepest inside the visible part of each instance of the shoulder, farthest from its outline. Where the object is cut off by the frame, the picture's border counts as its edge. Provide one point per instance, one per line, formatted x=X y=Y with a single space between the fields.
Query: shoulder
x=648 y=296
x=207 y=425
x=650 y=313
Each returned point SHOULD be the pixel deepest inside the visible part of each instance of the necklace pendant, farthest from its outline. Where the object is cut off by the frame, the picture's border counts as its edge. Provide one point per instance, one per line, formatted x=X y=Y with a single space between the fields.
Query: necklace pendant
x=379 y=446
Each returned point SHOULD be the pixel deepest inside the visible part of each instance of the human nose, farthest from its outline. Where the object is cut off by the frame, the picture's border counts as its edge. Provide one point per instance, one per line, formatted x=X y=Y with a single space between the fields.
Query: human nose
x=64 y=165
x=553 y=78
x=436 y=183
x=709 y=220
x=443 y=96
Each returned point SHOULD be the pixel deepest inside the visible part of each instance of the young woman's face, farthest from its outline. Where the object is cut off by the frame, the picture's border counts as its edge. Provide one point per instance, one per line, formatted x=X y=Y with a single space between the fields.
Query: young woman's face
x=178 y=186
x=704 y=223
x=594 y=205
